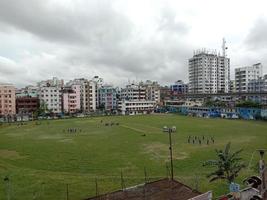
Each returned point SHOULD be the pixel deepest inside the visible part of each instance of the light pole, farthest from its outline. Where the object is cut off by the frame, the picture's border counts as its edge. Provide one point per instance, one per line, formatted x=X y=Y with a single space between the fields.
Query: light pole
x=170 y=130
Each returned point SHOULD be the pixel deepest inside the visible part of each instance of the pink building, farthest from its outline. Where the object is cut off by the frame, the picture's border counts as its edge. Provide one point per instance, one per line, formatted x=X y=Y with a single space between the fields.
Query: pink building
x=71 y=99
x=7 y=100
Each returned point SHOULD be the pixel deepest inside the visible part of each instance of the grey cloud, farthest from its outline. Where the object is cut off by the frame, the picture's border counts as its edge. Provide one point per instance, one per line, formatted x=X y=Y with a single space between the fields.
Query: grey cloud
x=87 y=23
x=257 y=37
x=168 y=22
x=94 y=38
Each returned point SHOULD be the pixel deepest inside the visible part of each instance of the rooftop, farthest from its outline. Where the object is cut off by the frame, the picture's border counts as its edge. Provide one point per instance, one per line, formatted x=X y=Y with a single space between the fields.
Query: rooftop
x=156 y=190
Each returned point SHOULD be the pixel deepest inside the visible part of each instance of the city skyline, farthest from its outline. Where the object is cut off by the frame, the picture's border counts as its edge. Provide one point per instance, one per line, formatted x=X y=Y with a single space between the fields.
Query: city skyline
x=124 y=40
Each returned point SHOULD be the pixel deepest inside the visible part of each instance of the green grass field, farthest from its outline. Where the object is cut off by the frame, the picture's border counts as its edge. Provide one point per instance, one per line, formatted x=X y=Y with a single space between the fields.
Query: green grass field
x=40 y=160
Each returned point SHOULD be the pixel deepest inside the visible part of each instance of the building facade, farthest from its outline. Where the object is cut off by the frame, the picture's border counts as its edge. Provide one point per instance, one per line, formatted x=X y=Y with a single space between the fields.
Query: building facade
x=27 y=104
x=108 y=97
x=88 y=94
x=179 y=87
x=245 y=75
x=71 y=99
x=133 y=92
x=7 y=100
x=135 y=107
x=51 y=97
x=209 y=72
x=152 y=90
x=258 y=85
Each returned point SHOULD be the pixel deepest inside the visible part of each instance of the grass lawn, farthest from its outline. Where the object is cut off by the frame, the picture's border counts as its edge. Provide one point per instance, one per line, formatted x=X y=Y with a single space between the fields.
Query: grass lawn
x=40 y=160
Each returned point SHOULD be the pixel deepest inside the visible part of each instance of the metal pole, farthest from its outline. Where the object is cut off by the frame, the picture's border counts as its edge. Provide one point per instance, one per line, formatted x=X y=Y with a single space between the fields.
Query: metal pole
x=96 y=188
x=122 y=182
x=170 y=140
x=145 y=173
x=67 y=192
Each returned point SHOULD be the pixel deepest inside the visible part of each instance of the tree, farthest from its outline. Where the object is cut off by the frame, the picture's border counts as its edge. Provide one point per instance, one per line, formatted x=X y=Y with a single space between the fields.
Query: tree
x=42 y=110
x=248 y=104
x=228 y=165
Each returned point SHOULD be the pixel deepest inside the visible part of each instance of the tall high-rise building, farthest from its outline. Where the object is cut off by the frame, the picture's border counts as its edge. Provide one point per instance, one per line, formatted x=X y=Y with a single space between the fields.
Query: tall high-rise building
x=245 y=75
x=209 y=72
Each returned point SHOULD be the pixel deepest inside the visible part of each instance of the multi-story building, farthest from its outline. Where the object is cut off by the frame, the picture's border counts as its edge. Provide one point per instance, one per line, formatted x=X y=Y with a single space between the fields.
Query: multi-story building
x=71 y=99
x=209 y=72
x=51 y=96
x=245 y=75
x=108 y=97
x=258 y=85
x=179 y=87
x=134 y=107
x=139 y=98
x=27 y=104
x=30 y=90
x=152 y=90
x=88 y=94
x=7 y=100
x=133 y=92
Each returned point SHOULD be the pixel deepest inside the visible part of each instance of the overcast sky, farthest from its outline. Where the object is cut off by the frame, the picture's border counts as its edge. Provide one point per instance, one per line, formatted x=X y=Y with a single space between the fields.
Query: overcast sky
x=122 y=40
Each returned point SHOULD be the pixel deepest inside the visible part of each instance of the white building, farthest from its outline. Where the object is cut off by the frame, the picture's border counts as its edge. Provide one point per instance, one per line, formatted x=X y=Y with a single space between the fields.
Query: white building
x=209 y=72
x=135 y=107
x=245 y=75
x=51 y=96
x=133 y=92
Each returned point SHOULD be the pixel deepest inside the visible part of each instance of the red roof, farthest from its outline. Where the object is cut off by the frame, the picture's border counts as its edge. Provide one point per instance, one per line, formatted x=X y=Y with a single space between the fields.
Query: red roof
x=157 y=190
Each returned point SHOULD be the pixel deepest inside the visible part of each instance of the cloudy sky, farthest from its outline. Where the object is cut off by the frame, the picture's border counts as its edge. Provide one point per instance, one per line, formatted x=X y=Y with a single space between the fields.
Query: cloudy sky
x=123 y=40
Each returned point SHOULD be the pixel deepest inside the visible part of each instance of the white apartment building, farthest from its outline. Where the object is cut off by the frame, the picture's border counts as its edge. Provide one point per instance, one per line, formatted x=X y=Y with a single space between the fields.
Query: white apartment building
x=133 y=92
x=209 y=73
x=52 y=97
x=245 y=75
x=135 y=107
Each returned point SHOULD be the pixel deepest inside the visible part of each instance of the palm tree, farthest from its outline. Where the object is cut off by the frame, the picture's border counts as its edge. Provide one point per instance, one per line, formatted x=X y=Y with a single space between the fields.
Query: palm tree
x=228 y=165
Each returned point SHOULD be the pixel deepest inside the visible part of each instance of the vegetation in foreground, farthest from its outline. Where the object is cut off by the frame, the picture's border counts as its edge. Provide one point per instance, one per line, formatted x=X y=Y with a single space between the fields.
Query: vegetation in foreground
x=41 y=159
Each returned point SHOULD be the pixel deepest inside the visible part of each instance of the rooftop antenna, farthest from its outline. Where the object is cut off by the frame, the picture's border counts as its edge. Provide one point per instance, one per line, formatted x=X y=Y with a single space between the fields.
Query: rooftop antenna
x=224 y=48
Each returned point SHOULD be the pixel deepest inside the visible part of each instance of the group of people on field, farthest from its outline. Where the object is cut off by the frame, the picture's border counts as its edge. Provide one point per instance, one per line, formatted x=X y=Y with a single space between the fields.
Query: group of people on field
x=200 y=140
x=72 y=130
x=110 y=123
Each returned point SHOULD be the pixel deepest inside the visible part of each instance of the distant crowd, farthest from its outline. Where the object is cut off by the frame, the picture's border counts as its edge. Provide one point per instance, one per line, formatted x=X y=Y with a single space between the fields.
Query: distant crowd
x=200 y=140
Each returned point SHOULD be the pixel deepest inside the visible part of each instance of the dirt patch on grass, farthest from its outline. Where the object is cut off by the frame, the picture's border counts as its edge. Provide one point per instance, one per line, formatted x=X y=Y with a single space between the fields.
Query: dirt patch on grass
x=9 y=154
x=50 y=137
x=68 y=140
x=134 y=129
x=159 y=151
